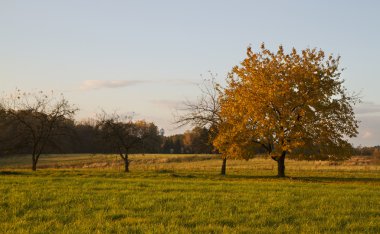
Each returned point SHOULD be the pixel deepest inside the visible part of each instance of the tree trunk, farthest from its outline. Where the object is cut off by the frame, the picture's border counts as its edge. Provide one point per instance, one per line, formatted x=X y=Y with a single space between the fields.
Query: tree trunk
x=34 y=164
x=281 y=165
x=223 y=172
x=126 y=163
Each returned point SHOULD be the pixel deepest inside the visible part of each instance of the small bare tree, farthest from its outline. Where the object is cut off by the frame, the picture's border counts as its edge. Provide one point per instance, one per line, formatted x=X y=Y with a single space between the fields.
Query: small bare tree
x=121 y=134
x=205 y=112
x=38 y=118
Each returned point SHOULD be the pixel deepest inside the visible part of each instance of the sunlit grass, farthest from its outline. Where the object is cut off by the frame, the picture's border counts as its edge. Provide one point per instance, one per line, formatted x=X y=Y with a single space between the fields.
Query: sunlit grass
x=180 y=196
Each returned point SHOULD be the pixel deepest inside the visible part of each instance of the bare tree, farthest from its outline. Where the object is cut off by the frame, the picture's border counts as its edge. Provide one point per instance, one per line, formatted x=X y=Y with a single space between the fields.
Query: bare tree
x=121 y=134
x=205 y=112
x=38 y=118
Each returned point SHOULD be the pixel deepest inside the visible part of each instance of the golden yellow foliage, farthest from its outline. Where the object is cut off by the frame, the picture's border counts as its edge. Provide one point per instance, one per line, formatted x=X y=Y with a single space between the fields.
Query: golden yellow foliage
x=284 y=103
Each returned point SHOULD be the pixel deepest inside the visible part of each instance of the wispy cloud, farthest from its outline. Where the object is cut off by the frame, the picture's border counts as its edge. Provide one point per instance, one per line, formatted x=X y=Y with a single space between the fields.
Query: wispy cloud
x=367 y=108
x=98 y=84
x=166 y=103
x=180 y=82
x=101 y=84
x=367 y=134
x=369 y=131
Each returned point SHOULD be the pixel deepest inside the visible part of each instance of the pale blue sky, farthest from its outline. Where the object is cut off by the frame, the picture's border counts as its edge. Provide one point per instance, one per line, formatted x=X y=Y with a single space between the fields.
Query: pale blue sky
x=147 y=56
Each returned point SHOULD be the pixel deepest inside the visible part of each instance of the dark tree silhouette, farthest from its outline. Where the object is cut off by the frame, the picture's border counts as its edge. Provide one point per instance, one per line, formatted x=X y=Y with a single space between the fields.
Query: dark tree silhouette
x=121 y=134
x=38 y=119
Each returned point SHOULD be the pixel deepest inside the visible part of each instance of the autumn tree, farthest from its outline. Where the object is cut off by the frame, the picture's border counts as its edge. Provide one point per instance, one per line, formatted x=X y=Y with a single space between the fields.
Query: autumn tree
x=287 y=103
x=37 y=120
x=205 y=112
x=122 y=135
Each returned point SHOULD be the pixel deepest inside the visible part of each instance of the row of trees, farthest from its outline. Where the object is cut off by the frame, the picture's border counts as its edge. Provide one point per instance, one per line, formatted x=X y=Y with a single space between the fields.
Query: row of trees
x=285 y=104
x=367 y=151
x=37 y=123
x=282 y=104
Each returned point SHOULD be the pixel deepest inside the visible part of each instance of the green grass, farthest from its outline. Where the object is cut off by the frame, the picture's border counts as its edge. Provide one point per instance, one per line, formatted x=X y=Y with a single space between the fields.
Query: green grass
x=182 y=194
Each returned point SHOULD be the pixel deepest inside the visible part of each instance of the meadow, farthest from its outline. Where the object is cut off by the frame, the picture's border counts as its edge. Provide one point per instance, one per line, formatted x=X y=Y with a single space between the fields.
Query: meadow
x=185 y=193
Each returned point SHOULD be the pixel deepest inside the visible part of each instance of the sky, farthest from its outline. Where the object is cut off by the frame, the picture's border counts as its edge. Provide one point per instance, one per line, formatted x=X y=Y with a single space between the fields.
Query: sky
x=148 y=57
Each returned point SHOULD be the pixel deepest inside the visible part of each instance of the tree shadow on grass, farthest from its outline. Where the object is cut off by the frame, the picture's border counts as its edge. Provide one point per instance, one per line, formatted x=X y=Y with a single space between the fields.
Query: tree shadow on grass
x=312 y=179
x=184 y=176
x=255 y=177
x=218 y=176
x=330 y=179
x=12 y=173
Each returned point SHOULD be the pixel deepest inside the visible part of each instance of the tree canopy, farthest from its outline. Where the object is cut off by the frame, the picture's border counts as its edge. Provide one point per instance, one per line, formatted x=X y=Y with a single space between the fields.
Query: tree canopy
x=287 y=103
x=36 y=120
x=123 y=136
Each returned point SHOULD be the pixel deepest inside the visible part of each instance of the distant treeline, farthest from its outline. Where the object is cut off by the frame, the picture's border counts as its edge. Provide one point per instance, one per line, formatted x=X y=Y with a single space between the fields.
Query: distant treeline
x=367 y=151
x=86 y=137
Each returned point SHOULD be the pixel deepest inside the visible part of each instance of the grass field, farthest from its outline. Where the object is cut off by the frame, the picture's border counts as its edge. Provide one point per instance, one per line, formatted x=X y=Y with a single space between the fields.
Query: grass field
x=184 y=193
